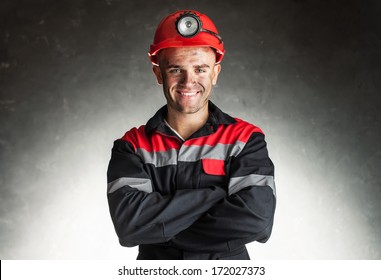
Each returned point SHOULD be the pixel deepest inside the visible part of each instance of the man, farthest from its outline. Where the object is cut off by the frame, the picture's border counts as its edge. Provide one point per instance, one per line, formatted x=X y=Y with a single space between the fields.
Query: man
x=193 y=183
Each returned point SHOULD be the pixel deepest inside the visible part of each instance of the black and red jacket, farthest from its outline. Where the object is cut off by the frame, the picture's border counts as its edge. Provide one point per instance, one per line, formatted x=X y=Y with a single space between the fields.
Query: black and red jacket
x=203 y=198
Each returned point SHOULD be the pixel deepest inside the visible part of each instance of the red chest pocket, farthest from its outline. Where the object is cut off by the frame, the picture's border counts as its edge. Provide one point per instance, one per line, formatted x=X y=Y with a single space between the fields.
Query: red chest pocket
x=213 y=166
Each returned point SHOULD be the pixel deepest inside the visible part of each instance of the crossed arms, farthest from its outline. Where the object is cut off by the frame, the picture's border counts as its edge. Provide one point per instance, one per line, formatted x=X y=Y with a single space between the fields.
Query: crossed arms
x=207 y=219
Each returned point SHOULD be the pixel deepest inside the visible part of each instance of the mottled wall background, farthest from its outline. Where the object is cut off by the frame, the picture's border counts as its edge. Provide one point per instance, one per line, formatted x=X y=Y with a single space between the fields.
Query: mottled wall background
x=74 y=76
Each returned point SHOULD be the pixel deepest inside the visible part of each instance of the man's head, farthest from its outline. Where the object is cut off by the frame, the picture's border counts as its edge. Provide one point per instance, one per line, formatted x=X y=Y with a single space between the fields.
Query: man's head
x=187 y=75
x=186 y=56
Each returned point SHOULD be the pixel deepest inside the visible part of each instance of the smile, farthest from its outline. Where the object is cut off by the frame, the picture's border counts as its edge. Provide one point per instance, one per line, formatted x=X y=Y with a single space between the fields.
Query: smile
x=188 y=93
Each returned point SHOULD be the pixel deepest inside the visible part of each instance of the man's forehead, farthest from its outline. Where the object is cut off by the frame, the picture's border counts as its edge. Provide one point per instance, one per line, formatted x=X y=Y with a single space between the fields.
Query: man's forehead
x=171 y=55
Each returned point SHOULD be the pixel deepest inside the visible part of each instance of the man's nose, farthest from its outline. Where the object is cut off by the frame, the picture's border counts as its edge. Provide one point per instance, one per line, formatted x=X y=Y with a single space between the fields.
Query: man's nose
x=188 y=78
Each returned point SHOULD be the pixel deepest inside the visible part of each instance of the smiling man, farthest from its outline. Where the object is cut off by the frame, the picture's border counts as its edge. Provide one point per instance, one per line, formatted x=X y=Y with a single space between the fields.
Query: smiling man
x=187 y=75
x=194 y=182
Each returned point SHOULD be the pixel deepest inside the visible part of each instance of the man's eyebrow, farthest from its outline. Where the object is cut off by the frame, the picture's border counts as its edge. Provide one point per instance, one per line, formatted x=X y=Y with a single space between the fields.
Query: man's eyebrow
x=173 y=66
x=202 y=66
x=195 y=66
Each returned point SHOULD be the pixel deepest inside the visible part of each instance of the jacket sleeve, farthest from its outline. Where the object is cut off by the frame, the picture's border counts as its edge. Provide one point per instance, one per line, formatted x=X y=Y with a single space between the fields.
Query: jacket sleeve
x=142 y=215
x=245 y=215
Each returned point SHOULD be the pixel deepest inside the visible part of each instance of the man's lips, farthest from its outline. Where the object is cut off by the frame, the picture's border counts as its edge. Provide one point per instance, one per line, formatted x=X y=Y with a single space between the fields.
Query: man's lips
x=188 y=93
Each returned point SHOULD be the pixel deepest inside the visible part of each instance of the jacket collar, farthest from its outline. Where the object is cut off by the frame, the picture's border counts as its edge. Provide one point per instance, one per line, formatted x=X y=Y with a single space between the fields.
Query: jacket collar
x=216 y=118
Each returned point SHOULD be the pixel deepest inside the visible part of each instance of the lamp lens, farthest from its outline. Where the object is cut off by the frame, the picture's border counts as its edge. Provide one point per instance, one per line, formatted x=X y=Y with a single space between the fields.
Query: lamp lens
x=188 y=26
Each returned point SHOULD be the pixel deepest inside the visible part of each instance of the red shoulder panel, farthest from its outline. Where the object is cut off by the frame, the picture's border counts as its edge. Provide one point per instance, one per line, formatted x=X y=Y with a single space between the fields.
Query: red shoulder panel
x=158 y=143
x=240 y=131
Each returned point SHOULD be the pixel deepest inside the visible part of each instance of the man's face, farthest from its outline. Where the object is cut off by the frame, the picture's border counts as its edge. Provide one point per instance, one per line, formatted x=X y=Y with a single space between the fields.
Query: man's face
x=187 y=75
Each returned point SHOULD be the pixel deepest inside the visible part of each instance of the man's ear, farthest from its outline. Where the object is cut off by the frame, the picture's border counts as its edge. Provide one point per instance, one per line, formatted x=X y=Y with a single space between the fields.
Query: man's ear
x=157 y=72
x=216 y=71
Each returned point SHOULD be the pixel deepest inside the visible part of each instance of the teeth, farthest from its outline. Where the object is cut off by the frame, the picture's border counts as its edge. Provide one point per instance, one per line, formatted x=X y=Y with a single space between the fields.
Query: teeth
x=188 y=93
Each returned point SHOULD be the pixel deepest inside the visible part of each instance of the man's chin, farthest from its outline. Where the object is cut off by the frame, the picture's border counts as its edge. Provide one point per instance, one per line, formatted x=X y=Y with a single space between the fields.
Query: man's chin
x=189 y=111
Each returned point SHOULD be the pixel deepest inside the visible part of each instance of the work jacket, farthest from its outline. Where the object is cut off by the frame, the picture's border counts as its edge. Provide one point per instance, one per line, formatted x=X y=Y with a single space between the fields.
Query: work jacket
x=202 y=198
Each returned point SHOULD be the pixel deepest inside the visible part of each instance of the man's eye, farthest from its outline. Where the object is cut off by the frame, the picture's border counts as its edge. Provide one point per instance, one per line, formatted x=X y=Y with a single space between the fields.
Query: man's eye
x=200 y=70
x=174 y=71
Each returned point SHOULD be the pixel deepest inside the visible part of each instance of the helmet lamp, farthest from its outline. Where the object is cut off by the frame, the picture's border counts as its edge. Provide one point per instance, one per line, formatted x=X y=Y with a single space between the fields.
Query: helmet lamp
x=189 y=24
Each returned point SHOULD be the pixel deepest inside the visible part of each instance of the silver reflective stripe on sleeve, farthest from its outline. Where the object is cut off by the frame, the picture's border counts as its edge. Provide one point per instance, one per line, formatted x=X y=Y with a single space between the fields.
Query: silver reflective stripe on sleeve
x=238 y=183
x=140 y=184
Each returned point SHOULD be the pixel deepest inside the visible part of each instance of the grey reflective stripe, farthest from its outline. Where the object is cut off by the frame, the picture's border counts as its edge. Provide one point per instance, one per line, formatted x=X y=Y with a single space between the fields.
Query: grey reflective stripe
x=238 y=183
x=219 y=151
x=191 y=153
x=140 y=184
x=158 y=159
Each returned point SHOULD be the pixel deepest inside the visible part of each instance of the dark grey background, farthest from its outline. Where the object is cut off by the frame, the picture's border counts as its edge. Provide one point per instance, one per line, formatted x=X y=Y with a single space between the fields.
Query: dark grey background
x=74 y=76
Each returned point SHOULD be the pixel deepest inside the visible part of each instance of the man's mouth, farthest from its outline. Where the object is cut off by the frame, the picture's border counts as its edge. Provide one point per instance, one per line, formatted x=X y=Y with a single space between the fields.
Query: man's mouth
x=189 y=94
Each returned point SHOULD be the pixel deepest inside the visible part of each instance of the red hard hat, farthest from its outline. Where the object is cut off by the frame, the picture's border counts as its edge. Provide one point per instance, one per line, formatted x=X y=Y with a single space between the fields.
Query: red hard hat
x=173 y=32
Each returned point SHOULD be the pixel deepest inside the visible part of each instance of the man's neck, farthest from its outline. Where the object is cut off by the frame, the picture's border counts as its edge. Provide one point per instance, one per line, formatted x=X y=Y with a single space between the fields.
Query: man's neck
x=187 y=124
